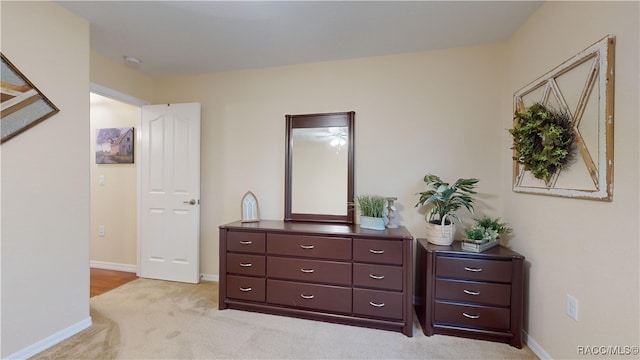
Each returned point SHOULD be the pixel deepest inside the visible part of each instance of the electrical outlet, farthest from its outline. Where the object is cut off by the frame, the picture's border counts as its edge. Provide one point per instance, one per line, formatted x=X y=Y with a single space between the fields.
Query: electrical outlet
x=572 y=307
x=101 y=230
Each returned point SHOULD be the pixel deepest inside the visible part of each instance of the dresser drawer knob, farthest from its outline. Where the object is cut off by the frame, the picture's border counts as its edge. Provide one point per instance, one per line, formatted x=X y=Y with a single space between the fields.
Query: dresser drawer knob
x=472 y=269
x=376 y=277
x=307 y=247
x=246 y=264
x=469 y=316
x=377 y=252
x=308 y=297
x=471 y=292
x=378 y=305
x=246 y=242
x=247 y=289
x=307 y=271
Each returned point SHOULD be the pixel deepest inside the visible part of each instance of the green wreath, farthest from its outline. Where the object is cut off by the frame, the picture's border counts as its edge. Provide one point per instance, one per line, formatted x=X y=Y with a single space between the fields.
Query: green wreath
x=543 y=140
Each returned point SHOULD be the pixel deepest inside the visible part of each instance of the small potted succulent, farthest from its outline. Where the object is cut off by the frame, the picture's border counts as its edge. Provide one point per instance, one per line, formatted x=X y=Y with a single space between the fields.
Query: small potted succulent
x=486 y=229
x=372 y=209
x=445 y=200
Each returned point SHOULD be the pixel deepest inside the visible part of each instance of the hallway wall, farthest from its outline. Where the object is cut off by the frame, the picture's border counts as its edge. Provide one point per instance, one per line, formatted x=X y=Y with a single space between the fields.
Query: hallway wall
x=45 y=182
x=114 y=203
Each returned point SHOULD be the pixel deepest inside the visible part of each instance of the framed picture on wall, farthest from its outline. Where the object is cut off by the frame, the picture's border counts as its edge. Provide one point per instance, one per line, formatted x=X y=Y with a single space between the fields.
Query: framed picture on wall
x=23 y=105
x=582 y=89
x=114 y=145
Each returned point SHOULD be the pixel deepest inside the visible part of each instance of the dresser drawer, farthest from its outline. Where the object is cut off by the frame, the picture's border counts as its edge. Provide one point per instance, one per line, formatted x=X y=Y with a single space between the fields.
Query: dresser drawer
x=333 y=248
x=246 y=288
x=377 y=251
x=377 y=276
x=473 y=291
x=310 y=296
x=473 y=269
x=245 y=264
x=472 y=315
x=319 y=271
x=385 y=304
x=251 y=242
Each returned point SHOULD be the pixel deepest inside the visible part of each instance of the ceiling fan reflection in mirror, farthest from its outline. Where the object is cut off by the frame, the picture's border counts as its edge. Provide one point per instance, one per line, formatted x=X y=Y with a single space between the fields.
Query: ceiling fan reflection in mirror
x=338 y=137
x=335 y=136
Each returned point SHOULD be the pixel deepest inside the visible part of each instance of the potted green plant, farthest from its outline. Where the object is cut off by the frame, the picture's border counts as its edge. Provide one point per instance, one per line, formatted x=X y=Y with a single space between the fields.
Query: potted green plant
x=487 y=229
x=445 y=199
x=371 y=211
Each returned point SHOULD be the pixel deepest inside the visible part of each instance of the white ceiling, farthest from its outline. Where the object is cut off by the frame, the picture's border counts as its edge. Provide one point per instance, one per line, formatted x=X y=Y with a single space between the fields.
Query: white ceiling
x=192 y=37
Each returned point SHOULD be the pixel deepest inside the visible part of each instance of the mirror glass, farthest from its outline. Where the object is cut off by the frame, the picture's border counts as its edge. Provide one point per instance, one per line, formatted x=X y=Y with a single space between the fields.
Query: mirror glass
x=319 y=168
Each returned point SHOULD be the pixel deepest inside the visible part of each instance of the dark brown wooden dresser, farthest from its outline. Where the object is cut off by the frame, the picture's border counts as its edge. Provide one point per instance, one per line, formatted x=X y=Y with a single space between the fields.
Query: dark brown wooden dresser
x=329 y=272
x=475 y=295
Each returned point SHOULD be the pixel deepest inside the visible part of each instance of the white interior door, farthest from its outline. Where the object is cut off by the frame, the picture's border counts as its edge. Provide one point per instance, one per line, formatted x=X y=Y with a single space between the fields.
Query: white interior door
x=169 y=213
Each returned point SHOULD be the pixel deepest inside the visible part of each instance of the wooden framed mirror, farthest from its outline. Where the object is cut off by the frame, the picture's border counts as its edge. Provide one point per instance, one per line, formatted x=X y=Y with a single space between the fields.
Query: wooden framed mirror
x=319 y=168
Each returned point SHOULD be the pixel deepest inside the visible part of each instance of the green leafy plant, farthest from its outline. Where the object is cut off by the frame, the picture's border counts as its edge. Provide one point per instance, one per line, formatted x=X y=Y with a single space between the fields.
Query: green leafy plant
x=486 y=228
x=371 y=205
x=542 y=139
x=446 y=199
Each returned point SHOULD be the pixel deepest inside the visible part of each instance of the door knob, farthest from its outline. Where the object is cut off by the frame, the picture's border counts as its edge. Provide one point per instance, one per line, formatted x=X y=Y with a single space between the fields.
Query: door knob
x=190 y=202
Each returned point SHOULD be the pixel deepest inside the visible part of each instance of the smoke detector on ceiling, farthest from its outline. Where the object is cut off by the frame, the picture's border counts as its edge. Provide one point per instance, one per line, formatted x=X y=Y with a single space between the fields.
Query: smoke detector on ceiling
x=132 y=61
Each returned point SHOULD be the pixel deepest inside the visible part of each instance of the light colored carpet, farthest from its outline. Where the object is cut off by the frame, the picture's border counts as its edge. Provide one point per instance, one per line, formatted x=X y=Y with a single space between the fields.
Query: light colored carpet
x=152 y=319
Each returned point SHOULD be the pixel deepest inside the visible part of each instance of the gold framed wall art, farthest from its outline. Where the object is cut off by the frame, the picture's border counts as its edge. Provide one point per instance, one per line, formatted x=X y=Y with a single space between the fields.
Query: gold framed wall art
x=22 y=105
x=582 y=87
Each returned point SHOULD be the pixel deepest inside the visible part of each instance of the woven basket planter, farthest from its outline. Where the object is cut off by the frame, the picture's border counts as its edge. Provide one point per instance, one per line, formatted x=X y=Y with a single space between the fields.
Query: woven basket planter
x=439 y=234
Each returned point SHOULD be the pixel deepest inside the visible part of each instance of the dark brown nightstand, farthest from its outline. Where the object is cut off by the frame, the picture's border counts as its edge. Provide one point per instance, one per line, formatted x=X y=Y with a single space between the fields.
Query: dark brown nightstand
x=468 y=294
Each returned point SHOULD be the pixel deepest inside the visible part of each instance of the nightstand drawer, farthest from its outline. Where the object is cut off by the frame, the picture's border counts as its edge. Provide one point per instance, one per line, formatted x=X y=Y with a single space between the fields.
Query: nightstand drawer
x=245 y=264
x=473 y=269
x=246 y=288
x=473 y=291
x=301 y=295
x=377 y=276
x=318 y=271
x=240 y=241
x=472 y=315
x=385 y=304
x=377 y=251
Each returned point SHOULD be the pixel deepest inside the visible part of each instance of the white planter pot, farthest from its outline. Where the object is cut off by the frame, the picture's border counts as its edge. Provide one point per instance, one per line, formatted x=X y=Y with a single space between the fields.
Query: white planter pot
x=440 y=234
x=373 y=223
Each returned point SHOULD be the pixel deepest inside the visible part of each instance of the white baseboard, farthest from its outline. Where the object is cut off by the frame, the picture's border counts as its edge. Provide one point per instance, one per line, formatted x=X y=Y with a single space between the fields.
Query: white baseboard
x=48 y=342
x=113 y=266
x=535 y=347
x=209 y=277
x=134 y=269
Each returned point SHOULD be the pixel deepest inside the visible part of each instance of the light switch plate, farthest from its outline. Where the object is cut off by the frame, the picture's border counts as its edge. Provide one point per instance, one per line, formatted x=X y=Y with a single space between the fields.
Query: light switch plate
x=572 y=307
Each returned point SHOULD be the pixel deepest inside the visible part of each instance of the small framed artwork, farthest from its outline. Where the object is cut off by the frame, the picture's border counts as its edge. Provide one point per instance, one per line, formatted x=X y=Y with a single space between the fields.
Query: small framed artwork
x=114 y=145
x=22 y=106
x=250 y=208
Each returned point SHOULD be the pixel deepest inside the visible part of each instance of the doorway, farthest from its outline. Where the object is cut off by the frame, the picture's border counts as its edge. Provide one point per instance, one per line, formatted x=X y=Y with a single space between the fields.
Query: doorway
x=129 y=232
x=113 y=187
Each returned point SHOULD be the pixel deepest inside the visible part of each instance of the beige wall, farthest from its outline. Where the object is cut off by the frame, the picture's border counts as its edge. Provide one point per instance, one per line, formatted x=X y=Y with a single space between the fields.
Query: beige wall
x=114 y=203
x=118 y=77
x=415 y=114
x=588 y=249
x=45 y=181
